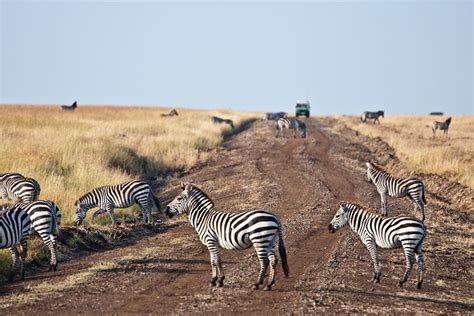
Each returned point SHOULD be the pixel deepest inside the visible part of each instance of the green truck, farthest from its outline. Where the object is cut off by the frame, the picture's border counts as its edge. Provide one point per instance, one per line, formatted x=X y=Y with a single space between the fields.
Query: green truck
x=302 y=108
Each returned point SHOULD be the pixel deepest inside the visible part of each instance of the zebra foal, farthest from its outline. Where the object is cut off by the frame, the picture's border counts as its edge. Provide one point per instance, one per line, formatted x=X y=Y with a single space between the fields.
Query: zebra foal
x=443 y=126
x=387 y=184
x=45 y=220
x=239 y=231
x=291 y=123
x=109 y=197
x=15 y=229
x=385 y=232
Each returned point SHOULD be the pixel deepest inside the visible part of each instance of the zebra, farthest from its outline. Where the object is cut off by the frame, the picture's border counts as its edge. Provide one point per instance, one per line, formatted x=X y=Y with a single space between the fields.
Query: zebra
x=10 y=175
x=274 y=116
x=291 y=123
x=385 y=232
x=108 y=197
x=45 y=220
x=172 y=113
x=22 y=189
x=443 y=126
x=69 y=107
x=387 y=184
x=219 y=120
x=259 y=228
x=371 y=116
x=15 y=229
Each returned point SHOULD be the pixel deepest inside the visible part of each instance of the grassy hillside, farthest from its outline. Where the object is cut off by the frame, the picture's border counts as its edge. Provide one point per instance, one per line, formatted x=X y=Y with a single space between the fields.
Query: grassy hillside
x=413 y=140
x=70 y=153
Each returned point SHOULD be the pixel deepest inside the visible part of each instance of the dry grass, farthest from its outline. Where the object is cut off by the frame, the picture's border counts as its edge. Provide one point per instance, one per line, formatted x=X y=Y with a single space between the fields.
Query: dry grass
x=70 y=153
x=418 y=150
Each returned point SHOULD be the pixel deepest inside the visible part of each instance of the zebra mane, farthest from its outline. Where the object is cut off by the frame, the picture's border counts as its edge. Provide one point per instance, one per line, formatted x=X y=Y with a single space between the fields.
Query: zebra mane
x=353 y=205
x=378 y=167
x=202 y=193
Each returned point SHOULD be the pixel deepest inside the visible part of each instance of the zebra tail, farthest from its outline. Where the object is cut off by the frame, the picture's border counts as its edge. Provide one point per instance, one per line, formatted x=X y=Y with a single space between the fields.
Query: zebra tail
x=282 y=250
x=157 y=202
x=423 y=195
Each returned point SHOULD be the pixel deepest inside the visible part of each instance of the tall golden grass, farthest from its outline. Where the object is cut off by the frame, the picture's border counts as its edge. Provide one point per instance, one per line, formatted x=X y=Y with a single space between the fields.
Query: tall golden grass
x=419 y=150
x=70 y=153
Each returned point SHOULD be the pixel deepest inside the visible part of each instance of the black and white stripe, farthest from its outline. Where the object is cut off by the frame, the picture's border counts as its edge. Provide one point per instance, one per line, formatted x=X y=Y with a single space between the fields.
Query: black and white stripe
x=45 y=220
x=19 y=188
x=384 y=232
x=291 y=123
x=109 y=197
x=216 y=230
x=274 y=116
x=371 y=116
x=10 y=175
x=387 y=184
x=14 y=230
x=443 y=126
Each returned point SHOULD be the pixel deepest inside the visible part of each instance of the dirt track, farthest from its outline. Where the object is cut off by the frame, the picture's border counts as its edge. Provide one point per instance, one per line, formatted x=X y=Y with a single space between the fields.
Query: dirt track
x=301 y=180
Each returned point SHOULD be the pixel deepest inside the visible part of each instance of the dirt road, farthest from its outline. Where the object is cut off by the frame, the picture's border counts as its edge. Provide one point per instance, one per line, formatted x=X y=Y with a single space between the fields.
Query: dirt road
x=301 y=180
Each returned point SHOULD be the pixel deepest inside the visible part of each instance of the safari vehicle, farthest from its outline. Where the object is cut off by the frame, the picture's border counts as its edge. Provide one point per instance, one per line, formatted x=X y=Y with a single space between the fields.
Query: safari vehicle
x=302 y=108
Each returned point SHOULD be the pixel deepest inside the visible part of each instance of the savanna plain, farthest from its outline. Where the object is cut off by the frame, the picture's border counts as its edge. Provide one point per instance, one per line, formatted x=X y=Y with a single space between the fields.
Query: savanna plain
x=163 y=267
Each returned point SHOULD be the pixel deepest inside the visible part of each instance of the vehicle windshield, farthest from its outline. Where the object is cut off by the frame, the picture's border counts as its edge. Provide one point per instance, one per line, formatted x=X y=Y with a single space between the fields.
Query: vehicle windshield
x=302 y=105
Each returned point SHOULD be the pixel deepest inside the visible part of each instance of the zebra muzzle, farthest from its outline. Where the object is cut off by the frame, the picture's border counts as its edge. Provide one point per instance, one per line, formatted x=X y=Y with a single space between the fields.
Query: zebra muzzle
x=331 y=229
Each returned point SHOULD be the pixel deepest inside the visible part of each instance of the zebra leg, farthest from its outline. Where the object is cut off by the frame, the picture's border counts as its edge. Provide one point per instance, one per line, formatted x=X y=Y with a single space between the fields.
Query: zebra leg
x=52 y=249
x=24 y=251
x=384 y=203
x=273 y=266
x=263 y=259
x=409 y=262
x=97 y=213
x=112 y=216
x=421 y=268
x=373 y=254
x=216 y=265
x=15 y=256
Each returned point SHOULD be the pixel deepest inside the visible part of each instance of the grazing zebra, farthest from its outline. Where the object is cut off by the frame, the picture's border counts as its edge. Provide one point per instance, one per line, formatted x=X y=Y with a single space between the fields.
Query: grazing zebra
x=387 y=184
x=22 y=189
x=45 y=220
x=385 y=232
x=371 y=116
x=232 y=231
x=291 y=123
x=69 y=107
x=443 y=126
x=108 y=197
x=219 y=120
x=170 y=114
x=15 y=229
x=274 y=116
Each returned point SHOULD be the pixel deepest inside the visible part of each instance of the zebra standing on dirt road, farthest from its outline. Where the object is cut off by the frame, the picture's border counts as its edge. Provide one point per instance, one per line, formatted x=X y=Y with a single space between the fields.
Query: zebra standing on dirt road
x=15 y=229
x=443 y=126
x=371 y=116
x=23 y=189
x=291 y=123
x=45 y=220
x=385 y=232
x=387 y=184
x=232 y=231
x=109 y=197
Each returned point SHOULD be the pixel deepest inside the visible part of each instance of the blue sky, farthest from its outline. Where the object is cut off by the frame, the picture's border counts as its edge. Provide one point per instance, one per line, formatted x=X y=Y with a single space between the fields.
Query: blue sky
x=345 y=57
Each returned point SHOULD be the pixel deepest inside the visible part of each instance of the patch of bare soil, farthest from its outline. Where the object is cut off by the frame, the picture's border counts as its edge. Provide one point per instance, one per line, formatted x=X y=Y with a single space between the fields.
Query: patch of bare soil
x=301 y=180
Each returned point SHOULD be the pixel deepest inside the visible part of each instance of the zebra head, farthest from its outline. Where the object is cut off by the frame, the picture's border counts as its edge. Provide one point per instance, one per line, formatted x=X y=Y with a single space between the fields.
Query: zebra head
x=81 y=211
x=340 y=219
x=192 y=198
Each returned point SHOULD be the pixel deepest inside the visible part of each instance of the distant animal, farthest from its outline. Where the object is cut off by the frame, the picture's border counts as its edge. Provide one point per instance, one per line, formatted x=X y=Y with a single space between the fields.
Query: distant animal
x=371 y=116
x=274 y=116
x=385 y=232
x=387 y=184
x=170 y=114
x=290 y=123
x=15 y=229
x=45 y=220
x=124 y=195
x=219 y=120
x=443 y=126
x=69 y=107
x=216 y=230
x=19 y=188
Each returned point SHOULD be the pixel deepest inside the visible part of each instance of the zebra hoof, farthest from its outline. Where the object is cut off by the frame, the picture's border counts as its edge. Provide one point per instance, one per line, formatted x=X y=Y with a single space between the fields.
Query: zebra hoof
x=418 y=285
x=400 y=283
x=255 y=286
x=267 y=288
x=212 y=283
x=220 y=283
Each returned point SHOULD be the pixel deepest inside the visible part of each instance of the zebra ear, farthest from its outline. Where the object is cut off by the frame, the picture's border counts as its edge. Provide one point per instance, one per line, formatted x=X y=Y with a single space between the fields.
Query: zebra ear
x=368 y=164
x=342 y=203
x=183 y=185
